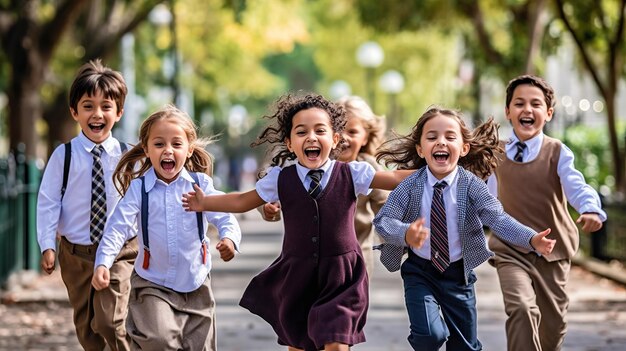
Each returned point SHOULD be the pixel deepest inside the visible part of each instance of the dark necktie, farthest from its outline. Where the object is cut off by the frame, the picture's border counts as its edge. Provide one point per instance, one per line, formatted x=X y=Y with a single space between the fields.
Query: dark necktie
x=519 y=156
x=439 y=251
x=315 y=187
x=98 y=197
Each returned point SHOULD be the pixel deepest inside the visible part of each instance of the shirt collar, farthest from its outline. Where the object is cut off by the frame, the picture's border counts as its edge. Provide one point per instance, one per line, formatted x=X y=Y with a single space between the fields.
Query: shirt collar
x=303 y=171
x=88 y=145
x=532 y=143
x=449 y=179
x=150 y=178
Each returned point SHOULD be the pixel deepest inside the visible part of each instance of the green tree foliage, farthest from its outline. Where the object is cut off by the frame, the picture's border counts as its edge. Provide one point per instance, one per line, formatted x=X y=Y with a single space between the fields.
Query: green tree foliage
x=597 y=29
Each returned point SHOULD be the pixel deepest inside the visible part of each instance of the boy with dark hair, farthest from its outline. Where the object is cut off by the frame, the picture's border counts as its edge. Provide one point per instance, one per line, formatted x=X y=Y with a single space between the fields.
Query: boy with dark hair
x=535 y=180
x=77 y=209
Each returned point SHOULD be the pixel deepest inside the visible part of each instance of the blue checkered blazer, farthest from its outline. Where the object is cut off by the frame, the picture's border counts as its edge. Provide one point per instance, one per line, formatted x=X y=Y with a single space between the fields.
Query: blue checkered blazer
x=476 y=207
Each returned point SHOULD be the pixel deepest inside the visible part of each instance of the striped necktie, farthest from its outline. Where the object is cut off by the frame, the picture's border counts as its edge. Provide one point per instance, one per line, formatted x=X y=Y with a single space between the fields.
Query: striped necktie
x=439 y=251
x=98 y=197
x=519 y=156
x=315 y=188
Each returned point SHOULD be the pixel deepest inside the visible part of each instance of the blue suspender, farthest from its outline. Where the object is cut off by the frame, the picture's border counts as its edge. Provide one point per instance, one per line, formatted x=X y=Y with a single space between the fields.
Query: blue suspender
x=68 y=160
x=144 y=224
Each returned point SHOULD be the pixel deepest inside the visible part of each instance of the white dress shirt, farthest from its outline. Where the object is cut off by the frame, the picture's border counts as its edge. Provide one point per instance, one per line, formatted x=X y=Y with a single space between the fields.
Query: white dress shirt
x=70 y=217
x=579 y=194
x=361 y=171
x=450 y=203
x=175 y=246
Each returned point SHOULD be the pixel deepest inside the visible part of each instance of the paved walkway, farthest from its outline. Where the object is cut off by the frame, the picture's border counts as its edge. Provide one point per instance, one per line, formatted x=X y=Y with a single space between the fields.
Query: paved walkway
x=597 y=317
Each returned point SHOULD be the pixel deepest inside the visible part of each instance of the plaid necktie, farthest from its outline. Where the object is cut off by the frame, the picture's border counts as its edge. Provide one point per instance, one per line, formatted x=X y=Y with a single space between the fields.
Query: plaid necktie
x=439 y=251
x=98 y=197
x=519 y=156
x=315 y=188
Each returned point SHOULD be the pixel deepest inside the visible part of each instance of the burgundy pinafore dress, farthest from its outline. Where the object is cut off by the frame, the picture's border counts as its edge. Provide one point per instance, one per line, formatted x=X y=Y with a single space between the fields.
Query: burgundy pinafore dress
x=316 y=291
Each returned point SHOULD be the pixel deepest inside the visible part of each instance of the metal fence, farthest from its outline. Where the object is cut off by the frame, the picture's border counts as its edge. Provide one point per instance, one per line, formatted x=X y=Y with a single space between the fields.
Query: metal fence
x=19 y=183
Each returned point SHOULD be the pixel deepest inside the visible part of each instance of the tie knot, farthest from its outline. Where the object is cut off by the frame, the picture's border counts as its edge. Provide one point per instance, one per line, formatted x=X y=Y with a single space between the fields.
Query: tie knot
x=520 y=146
x=316 y=174
x=441 y=185
x=97 y=150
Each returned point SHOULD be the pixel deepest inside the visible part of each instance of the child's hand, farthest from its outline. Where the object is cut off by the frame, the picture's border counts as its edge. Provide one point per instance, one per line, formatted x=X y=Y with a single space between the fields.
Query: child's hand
x=271 y=211
x=226 y=247
x=192 y=201
x=542 y=244
x=416 y=234
x=101 y=277
x=591 y=222
x=48 y=261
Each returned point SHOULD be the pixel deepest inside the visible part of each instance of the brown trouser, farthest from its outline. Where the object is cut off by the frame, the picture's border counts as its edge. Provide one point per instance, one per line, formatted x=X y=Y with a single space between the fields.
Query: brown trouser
x=163 y=319
x=535 y=299
x=99 y=316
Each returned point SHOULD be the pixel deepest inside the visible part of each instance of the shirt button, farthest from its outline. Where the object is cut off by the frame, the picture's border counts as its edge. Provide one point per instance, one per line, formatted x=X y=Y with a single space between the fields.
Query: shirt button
x=314 y=239
x=315 y=254
x=314 y=219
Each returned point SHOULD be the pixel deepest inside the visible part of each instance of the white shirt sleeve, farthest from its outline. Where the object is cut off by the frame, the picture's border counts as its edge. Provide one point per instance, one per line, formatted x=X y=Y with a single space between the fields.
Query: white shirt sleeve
x=267 y=187
x=362 y=176
x=49 y=200
x=579 y=194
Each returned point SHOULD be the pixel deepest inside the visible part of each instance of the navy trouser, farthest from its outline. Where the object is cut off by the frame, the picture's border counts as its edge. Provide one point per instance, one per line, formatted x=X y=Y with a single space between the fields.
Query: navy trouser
x=441 y=307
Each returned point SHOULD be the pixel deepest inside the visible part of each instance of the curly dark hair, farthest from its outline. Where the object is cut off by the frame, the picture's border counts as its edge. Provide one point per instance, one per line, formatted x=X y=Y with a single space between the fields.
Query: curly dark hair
x=481 y=160
x=281 y=124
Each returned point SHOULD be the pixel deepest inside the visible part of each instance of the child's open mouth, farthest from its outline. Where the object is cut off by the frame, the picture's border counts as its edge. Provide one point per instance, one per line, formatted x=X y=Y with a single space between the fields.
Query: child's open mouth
x=312 y=152
x=96 y=127
x=168 y=165
x=441 y=156
x=526 y=121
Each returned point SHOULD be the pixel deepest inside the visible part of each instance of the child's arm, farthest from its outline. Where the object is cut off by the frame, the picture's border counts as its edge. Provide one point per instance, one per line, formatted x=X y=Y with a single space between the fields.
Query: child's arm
x=389 y=180
x=49 y=205
x=394 y=220
x=591 y=222
x=232 y=202
x=583 y=198
x=101 y=277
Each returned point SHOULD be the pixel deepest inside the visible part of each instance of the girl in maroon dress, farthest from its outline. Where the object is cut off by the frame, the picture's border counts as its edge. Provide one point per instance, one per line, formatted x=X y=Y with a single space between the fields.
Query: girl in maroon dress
x=315 y=294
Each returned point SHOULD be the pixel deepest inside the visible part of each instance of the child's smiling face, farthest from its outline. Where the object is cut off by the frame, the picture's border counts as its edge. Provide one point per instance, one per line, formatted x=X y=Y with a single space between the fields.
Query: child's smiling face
x=528 y=111
x=356 y=137
x=441 y=145
x=96 y=116
x=168 y=149
x=312 y=137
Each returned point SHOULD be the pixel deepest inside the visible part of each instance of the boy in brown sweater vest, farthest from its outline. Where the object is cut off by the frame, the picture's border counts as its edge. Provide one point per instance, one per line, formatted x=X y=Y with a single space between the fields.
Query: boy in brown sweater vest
x=535 y=181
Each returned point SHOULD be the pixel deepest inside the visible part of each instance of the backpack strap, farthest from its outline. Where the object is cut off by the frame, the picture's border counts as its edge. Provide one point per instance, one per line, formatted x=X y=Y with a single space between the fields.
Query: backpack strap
x=144 y=224
x=66 y=167
x=200 y=221
x=68 y=160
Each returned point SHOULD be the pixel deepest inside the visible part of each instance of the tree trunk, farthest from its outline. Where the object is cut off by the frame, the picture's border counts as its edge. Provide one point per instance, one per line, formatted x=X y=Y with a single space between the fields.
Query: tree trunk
x=25 y=102
x=61 y=126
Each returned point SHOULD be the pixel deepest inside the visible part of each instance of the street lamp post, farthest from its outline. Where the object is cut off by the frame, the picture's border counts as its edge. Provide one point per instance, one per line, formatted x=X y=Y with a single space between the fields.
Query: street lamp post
x=392 y=83
x=161 y=15
x=339 y=89
x=370 y=55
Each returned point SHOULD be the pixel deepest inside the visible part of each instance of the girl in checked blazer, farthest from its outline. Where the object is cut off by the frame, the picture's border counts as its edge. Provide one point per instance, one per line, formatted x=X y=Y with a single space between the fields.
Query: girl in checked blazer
x=446 y=241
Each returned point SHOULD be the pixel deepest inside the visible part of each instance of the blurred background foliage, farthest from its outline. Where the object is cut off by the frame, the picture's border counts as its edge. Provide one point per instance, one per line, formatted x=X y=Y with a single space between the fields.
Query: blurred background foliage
x=225 y=62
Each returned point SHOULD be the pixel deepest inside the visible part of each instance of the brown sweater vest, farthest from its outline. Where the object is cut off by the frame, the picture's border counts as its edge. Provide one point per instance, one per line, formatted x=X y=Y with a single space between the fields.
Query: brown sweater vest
x=532 y=193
